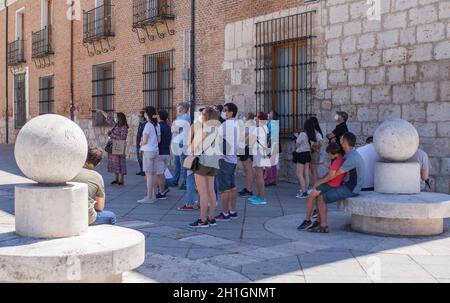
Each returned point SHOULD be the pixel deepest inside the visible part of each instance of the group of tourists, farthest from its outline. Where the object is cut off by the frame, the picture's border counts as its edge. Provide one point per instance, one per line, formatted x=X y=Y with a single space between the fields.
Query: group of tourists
x=205 y=153
x=205 y=157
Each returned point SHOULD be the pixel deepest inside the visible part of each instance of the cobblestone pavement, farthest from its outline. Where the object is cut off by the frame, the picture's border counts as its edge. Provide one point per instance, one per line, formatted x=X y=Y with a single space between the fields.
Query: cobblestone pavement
x=263 y=245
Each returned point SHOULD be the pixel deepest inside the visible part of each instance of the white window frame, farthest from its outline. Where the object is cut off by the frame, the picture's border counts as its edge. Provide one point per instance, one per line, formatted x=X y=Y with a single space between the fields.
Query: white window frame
x=20 y=11
x=44 y=13
x=27 y=92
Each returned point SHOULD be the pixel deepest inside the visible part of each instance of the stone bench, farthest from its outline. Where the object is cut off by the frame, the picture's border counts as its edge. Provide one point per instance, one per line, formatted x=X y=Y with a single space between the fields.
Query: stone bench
x=99 y=256
x=400 y=215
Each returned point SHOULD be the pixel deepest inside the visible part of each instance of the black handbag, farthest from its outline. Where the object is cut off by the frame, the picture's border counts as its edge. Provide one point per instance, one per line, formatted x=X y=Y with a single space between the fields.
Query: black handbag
x=191 y=163
x=109 y=147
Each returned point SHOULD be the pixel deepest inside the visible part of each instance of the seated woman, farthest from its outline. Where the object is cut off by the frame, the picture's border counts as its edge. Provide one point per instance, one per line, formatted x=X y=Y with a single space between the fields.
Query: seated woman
x=96 y=189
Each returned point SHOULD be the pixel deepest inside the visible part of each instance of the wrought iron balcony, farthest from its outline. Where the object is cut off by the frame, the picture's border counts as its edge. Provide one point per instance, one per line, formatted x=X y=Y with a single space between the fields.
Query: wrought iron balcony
x=41 y=43
x=98 y=23
x=16 y=52
x=147 y=12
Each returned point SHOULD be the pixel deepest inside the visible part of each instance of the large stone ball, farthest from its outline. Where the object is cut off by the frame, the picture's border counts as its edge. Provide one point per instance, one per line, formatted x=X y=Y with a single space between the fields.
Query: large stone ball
x=51 y=149
x=396 y=140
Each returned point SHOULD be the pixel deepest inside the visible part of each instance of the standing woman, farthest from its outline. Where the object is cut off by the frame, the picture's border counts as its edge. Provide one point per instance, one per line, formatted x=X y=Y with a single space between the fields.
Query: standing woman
x=261 y=159
x=247 y=159
x=150 y=147
x=205 y=135
x=315 y=150
x=140 y=131
x=270 y=173
x=117 y=164
x=303 y=157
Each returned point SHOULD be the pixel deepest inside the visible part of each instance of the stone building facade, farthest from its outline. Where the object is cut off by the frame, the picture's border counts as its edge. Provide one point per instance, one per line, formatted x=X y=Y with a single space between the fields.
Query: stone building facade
x=374 y=59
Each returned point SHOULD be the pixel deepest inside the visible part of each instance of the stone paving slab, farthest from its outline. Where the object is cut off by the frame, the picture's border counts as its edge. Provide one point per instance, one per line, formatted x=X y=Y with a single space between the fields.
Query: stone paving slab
x=278 y=266
x=163 y=268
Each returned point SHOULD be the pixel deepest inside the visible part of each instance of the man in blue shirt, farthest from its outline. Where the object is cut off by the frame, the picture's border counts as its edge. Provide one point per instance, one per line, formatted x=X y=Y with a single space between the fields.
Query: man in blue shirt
x=354 y=168
x=180 y=129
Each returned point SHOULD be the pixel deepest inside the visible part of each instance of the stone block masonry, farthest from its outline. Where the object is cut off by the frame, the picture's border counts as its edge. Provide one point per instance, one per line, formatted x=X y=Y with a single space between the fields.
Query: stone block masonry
x=404 y=69
x=392 y=65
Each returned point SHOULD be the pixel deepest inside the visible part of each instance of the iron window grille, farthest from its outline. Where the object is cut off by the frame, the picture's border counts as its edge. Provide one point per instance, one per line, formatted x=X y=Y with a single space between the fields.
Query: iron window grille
x=98 y=23
x=158 y=81
x=46 y=95
x=41 y=43
x=284 y=69
x=16 y=52
x=20 y=103
x=102 y=91
x=149 y=11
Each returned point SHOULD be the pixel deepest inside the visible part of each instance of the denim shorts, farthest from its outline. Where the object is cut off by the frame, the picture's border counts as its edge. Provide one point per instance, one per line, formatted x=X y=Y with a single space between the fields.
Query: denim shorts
x=323 y=188
x=338 y=194
x=226 y=176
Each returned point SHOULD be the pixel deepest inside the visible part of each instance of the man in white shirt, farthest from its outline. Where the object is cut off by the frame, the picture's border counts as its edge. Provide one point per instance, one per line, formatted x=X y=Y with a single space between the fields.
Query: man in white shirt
x=370 y=157
x=229 y=134
x=421 y=157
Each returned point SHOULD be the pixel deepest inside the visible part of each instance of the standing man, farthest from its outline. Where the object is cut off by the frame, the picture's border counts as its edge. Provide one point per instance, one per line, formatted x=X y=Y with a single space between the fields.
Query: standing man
x=140 y=131
x=354 y=168
x=180 y=130
x=164 y=154
x=228 y=134
x=341 y=128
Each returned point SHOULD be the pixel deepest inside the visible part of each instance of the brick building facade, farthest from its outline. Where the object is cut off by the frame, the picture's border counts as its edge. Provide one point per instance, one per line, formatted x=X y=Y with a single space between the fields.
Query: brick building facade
x=373 y=59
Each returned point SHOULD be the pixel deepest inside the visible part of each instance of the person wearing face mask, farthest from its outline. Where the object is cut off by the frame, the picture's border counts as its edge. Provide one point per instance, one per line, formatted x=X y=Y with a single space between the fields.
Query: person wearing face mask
x=222 y=115
x=341 y=128
x=228 y=134
x=180 y=129
x=140 y=131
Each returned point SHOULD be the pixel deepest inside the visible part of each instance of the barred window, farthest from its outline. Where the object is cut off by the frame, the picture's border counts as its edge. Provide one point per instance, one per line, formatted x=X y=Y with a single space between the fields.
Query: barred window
x=284 y=67
x=46 y=96
x=158 y=81
x=102 y=91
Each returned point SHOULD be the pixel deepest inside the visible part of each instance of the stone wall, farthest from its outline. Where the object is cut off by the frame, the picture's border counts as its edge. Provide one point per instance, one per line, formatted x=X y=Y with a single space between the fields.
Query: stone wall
x=396 y=64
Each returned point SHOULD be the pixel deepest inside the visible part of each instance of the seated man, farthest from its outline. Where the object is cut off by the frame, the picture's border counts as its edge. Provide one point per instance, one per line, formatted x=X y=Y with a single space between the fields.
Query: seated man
x=96 y=189
x=371 y=158
x=334 y=153
x=354 y=168
x=421 y=157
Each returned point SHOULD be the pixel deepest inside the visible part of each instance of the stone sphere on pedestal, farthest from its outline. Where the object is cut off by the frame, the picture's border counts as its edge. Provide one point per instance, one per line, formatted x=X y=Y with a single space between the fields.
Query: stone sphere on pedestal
x=396 y=140
x=51 y=149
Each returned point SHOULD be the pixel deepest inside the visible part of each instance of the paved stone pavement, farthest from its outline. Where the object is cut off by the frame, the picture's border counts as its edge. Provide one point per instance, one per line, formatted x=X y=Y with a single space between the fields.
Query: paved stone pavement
x=263 y=245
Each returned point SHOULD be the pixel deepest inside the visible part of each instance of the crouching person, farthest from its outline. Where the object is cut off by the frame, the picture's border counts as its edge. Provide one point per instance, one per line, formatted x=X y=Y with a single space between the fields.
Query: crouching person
x=96 y=189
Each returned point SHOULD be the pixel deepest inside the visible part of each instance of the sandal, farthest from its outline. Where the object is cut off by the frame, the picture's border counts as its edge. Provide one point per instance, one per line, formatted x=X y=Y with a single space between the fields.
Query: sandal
x=114 y=182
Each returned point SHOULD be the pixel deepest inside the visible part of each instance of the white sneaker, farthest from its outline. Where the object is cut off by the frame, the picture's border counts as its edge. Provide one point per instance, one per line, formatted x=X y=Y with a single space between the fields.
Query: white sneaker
x=146 y=200
x=300 y=195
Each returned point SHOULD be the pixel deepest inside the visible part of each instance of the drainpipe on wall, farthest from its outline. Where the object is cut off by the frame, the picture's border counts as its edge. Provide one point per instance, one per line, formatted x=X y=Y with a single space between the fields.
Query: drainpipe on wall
x=192 y=59
x=6 y=72
x=72 y=102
